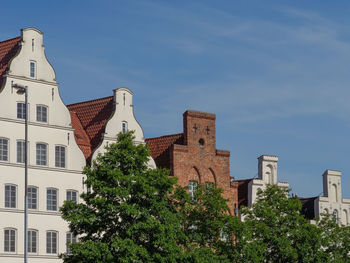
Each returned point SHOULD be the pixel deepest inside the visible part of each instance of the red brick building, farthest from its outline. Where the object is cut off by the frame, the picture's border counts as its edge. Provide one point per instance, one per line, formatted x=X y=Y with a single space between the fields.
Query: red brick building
x=192 y=155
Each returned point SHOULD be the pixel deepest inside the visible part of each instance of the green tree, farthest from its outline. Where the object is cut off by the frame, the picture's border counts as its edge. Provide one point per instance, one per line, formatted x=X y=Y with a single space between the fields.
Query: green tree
x=127 y=214
x=278 y=232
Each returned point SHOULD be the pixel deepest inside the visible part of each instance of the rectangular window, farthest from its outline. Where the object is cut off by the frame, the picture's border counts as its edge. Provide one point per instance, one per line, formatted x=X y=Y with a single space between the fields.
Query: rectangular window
x=51 y=242
x=72 y=196
x=192 y=188
x=51 y=198
x=32 y=241
x=10 y=196
x=41 y=154
x=41 y=113
x=21 y=110
x=70 y=239
x=32 y=69
x=60 y=156
x=124 y=126
x=10 y=240
x=21 y=151
x=32 y=197
x=4 y=149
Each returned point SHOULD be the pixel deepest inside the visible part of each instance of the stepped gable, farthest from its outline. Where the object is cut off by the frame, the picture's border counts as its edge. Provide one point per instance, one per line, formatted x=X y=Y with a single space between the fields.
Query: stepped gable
x=160 y=148
x=8 y=50
x=88 y=120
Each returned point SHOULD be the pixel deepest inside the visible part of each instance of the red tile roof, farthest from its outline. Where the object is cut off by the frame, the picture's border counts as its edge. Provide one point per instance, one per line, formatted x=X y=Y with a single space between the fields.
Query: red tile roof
x=160 y=148
x=88 y=120
x=8 y=50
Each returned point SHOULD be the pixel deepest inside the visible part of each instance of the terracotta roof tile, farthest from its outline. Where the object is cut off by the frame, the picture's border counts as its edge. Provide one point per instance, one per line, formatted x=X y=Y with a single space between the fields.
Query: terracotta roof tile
x=89 y=119
x=160 y=148
x=8 y=50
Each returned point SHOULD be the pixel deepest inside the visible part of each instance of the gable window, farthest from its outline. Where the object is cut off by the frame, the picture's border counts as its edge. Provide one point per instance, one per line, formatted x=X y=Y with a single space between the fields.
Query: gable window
x=41 y=113
x=41 y=154
x=60 y=156
x=21 y=110
x=70 y=239
x=4 y=149
x=10 y=240
x=51 y=199
x=32 y=69
x=192 y=186
x=32 y=197
x=10 y=196
x=72 y=196
x=32 y=241
x=20 y=151
x=124 y=126
x=51 y=242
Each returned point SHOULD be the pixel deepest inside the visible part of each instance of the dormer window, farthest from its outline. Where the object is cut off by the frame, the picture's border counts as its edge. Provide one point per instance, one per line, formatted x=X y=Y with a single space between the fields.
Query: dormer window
x=32 y=69
x=124 y=126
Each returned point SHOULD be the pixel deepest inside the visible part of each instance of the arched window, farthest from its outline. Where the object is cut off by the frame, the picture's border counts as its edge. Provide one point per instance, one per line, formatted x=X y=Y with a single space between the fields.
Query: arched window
x=334 y=193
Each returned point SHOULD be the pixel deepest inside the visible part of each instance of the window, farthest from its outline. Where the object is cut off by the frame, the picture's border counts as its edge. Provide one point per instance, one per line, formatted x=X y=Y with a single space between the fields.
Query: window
x=21 y=151
x=32 y=241
x=10 y=196
x=51 y=197
x=72 y=196
x=10 y=240
x=32 y=197
x=41 y=113
x=51 y=242
x=70 y=239
x=124 y=126
x=60 y=156
x=32 y=69
x=21 y=110
x=4 y=149
x=209 y=185
x=335 y=215
x=192 y=188
x=41 y=154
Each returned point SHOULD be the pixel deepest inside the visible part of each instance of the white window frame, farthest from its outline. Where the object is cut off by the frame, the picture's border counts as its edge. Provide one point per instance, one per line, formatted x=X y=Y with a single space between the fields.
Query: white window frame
x=46 y=155
x=192 y=187
x=69 y=192
x=51 y=203
x=2 y=155
x=39 y=118
x=58 y=161
x=15 y=240
x=23 y=113
x=10 y=202
x=70 y=239
x=33 y=76
x=50 y=248
x=124 y=126
x=37 y=197
x=30 y=243
x=22 y=155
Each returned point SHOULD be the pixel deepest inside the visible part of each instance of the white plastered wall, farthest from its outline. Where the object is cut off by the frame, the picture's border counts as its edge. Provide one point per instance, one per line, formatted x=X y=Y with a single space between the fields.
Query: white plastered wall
x=42 y=90
x=124 y=112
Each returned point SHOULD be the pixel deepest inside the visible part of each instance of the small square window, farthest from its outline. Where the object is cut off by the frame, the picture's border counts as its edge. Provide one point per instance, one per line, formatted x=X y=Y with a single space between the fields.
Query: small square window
x=21 y=110
x=41 y=113
x=32 y=69
x=72 y=196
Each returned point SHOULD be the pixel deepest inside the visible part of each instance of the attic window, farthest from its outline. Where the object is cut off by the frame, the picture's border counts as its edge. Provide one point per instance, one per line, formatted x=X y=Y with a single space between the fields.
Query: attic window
x=32 y=69
x=124 y=126
x=201 y=143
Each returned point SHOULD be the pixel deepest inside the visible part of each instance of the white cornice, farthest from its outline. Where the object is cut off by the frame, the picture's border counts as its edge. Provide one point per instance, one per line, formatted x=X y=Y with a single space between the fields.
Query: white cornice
x=32 y=80
x=36 y=212
x=45 y=168
x=37 y=124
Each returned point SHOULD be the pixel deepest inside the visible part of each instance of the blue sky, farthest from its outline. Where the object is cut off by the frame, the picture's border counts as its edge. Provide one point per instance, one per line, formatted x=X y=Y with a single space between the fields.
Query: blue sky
x=276 y=73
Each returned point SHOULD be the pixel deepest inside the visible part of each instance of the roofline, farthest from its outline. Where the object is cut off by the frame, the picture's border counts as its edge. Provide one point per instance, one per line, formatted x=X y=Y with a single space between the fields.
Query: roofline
x=19 y=37
x=83 y=102
x=164 y=136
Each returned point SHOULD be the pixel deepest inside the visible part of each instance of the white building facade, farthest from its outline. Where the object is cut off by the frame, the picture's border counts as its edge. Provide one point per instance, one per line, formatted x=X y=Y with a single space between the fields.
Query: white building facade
x=56 y=149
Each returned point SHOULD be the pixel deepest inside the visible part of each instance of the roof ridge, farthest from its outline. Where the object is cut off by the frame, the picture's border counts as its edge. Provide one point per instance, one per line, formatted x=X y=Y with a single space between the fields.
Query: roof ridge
x=83 y=102
x=165 y=136
x=11 y=39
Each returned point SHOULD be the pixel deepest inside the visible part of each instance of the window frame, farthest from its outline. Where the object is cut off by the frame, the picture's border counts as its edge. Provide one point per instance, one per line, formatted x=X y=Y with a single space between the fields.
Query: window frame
x=65 y=156
x=192 y=187
x=23 y=110
x=72 y=239
x=36 y=241
x=36 y=154
x=7 y=150
x=32 y=62
x=124 y=127
x=23 y=153
x=47 y=243
x=47 y=199
x=37 y=196
x=41 y=106
x=9 y=245
x=72 y=191
x=16 y=198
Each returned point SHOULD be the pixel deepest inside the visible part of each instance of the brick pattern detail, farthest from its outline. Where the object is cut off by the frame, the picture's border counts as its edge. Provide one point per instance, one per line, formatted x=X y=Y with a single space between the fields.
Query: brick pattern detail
x=196 y=157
